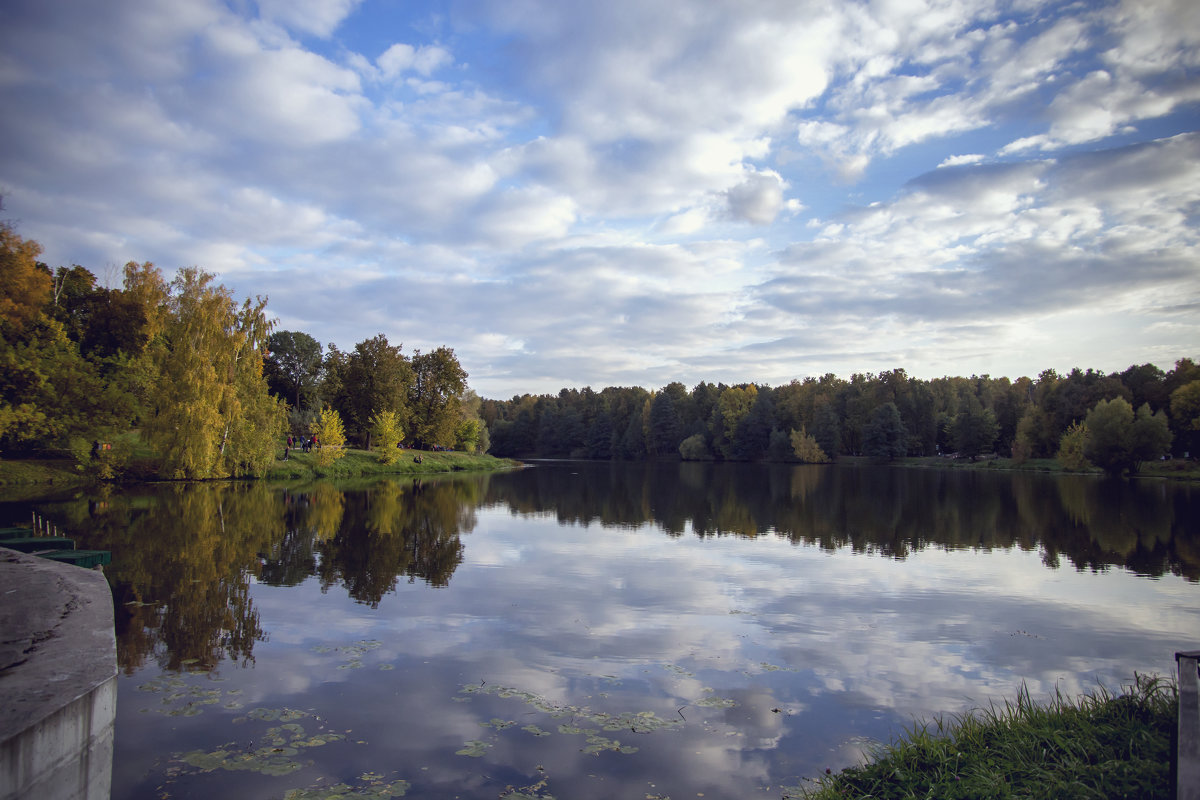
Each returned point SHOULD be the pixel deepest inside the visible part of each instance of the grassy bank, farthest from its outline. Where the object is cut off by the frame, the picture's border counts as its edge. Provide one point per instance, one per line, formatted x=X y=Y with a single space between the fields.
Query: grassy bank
x=1177 y=469
x=1099 y=746
x=25 y=476
x=360 y=463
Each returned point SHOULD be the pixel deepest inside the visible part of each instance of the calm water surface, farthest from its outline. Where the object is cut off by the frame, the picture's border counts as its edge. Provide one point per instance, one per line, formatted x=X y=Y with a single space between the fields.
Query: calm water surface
x=580 y=630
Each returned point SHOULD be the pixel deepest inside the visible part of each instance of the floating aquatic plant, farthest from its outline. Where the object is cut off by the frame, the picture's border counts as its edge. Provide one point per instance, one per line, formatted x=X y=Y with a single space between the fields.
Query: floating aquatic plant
x=474 y=748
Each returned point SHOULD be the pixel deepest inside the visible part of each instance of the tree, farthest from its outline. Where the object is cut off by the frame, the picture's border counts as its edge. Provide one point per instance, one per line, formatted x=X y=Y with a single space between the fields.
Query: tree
x=374 y=377
x=24 y=283
x=974 y=429
x=436 y=389
x=826 y=428
x=1072 y=448
x=293 y=364
x=1119 y=440
x=1185 y=414
x=471 y=435
x=212 y=415
x=331 y=437
x=664 y=425
x=753 y=434
x=884 y=437
x=732 y=406
x=387 y=435
x=694 y=448
x=806 y=448
x=1149 y=437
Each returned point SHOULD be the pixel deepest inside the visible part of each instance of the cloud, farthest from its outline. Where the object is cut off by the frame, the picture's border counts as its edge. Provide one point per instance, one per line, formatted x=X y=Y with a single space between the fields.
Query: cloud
x=635 y=191
x=957 y=161
x=400 y=58
x=318 y=17
x=758 y=199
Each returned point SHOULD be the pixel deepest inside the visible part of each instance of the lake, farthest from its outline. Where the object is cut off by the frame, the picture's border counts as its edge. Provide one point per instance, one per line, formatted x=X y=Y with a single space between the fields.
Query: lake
x=599 y=630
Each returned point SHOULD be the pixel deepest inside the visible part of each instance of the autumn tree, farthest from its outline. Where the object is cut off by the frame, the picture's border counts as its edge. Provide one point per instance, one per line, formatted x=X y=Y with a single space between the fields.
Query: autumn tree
x=24 y=283
x=386 y=435
x=212 y=414
x=1073 y=447
x=806 y=448
x=331 y=437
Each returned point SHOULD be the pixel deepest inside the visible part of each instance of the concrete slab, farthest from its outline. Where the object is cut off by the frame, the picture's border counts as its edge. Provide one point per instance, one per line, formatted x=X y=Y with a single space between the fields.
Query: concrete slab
x=58 y=680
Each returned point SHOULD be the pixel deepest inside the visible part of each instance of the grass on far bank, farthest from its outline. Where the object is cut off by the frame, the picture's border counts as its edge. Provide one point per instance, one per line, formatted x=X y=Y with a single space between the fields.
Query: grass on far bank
x=358 y=463
x=1098 y=746
x=1178 y=468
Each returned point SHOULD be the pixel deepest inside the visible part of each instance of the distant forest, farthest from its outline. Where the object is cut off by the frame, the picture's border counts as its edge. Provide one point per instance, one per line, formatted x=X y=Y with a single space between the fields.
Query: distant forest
x=182 y=375
x=884 y=416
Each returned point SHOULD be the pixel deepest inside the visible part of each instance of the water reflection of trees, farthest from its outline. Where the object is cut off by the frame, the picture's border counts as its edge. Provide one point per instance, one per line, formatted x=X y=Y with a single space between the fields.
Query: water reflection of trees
x=395 y=529
x=184 y=555
x=179 y=576
x=1146 y=526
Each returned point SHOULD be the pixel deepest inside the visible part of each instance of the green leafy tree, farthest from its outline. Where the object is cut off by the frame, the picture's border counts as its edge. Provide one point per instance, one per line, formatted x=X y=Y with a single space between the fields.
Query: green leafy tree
x=386 y=435
x=293 y=365
x=1185 y=415
x=974 y=429
x=826 y=427
x=374 y=377
x=1073 y=447
x=694 y=448
x=884 y=437
x=331 y=437
x=806 y=448
x=1120 y=440
x=732 y=406
x=435 y=392
x=471 y=435
x=1149 y=437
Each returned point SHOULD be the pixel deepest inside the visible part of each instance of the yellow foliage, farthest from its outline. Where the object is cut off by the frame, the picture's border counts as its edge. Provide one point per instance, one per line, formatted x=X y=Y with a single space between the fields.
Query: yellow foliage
x=1071 y=448
x=386 y=435
x=806 y=448
x=331 y=437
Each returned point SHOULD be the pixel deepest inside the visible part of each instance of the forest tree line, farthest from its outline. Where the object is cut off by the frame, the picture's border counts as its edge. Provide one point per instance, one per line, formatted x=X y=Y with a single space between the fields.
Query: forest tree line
x=1136 y=415
x=182 y=376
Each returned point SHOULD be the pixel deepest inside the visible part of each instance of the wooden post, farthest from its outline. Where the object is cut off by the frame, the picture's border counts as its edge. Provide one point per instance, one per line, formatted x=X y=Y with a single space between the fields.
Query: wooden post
x=1187 y=748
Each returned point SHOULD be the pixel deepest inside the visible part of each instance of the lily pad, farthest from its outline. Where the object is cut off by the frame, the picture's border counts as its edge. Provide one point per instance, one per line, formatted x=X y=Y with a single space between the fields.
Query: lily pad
x=474 y=748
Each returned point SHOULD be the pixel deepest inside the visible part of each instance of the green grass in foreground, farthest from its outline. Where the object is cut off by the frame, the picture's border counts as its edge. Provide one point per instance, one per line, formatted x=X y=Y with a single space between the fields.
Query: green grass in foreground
x=1099 y=746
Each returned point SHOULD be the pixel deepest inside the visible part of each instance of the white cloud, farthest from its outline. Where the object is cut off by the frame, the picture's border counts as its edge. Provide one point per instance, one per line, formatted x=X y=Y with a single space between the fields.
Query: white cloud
x=318 y=17
x=757 y=199
x=424 y=60
x=957 y=161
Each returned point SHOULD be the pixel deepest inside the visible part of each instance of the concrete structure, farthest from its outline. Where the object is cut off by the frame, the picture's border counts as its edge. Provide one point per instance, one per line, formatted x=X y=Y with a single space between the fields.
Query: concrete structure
x=58 y=680
x=1187 y=750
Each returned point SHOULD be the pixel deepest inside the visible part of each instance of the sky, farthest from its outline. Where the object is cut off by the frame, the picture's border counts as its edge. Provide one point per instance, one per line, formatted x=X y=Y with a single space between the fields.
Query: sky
x=634 y=192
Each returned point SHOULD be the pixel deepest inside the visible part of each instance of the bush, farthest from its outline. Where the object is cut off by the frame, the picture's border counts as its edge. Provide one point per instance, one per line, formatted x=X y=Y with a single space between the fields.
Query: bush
x=694 y=448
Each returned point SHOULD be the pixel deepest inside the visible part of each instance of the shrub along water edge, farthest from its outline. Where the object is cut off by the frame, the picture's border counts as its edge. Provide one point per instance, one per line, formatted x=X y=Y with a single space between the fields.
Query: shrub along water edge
x=1100 y=745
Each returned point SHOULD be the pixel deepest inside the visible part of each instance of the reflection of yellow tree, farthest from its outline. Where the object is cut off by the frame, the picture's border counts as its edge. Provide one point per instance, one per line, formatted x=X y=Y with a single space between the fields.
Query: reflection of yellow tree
x=182 y=558
x=805 y=481
x=326 y=505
